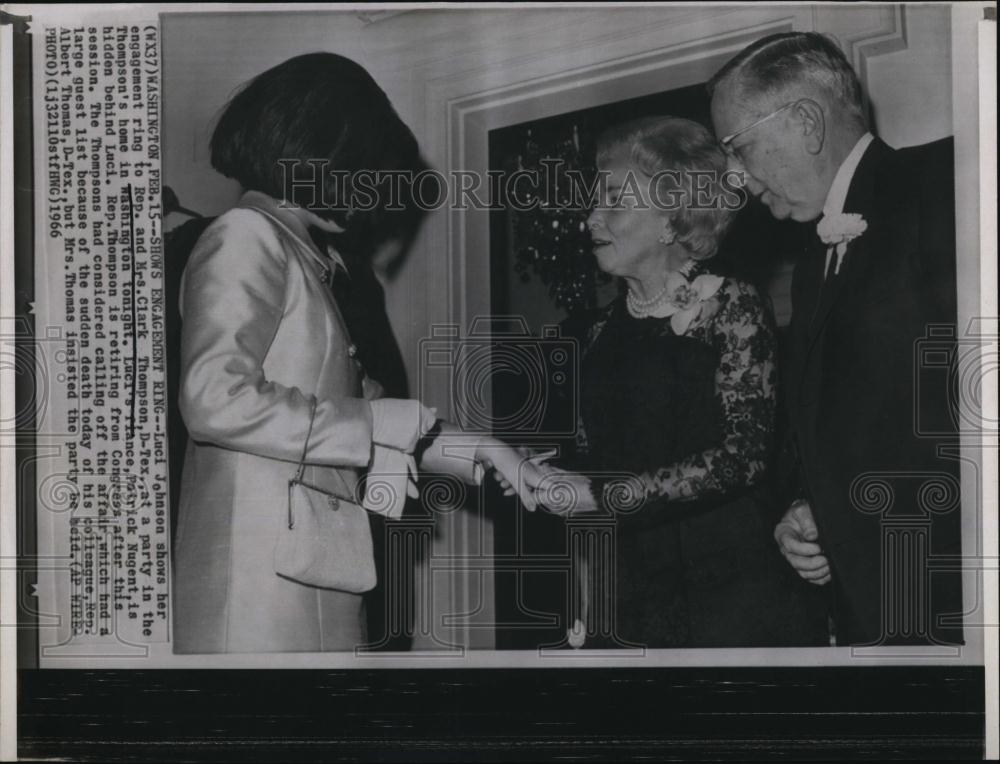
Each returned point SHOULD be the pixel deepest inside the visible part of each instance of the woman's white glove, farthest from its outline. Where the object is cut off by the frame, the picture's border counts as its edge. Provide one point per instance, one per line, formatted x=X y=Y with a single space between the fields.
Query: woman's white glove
x=391 y=477
x=453 y=452
x=397 y=425
x=400 y=422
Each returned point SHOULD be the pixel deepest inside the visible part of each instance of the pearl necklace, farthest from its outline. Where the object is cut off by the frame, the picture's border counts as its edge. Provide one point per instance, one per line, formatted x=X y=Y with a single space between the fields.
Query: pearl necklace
x=639 y=308
x=642 y=308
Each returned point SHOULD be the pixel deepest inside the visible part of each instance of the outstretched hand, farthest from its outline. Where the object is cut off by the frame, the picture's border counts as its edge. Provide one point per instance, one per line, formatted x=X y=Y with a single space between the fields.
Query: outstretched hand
x=555 y=490
x=516 y=470
x=525 y=455
x=566 y=493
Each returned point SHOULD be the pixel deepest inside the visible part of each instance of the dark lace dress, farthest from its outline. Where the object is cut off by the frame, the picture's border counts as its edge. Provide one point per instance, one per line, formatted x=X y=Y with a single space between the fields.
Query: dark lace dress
x=691 y=417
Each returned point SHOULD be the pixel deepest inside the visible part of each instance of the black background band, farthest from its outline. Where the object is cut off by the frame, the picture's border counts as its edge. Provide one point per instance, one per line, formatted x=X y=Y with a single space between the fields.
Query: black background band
x=503 y=715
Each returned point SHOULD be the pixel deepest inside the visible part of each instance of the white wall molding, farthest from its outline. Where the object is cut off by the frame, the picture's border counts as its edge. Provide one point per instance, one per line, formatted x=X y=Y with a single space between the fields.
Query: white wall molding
x=887 y=35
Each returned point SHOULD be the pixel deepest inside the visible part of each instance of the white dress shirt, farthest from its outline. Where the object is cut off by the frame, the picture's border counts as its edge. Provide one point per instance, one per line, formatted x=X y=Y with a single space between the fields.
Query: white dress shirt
x=837 y=195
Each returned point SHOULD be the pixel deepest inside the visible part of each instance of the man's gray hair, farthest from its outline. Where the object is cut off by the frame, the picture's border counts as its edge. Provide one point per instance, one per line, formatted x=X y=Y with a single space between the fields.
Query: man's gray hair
x=814 y=61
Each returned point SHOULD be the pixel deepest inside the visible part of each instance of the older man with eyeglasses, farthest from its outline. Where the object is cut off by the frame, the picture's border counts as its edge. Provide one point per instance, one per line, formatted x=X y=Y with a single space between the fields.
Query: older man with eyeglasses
x=876 y=281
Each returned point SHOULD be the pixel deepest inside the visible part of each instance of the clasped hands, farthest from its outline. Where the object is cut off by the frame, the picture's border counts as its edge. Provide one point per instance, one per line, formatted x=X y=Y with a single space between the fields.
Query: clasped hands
x=537 y=483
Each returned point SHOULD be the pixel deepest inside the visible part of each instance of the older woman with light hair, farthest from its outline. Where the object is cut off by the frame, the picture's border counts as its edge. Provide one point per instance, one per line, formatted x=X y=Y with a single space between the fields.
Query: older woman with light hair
x=677 y=405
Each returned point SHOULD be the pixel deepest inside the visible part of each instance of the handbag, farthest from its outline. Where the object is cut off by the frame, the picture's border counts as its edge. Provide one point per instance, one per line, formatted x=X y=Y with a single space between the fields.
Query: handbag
x=326 y=540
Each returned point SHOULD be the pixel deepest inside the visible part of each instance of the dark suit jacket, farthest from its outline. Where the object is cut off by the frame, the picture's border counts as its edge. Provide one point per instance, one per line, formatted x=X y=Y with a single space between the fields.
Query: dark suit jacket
x=867 y=410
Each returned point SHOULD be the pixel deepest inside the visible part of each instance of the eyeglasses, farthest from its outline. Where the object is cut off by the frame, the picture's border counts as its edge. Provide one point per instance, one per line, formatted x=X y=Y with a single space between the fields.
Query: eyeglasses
x=726 y=142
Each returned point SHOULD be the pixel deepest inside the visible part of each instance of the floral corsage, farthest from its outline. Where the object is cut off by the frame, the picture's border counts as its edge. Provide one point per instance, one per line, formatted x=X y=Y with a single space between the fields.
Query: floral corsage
x=686 y=303
x=839 y=230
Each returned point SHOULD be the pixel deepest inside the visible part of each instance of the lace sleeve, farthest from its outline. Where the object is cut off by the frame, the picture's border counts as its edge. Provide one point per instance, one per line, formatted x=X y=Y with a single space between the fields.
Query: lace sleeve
x=743 y=333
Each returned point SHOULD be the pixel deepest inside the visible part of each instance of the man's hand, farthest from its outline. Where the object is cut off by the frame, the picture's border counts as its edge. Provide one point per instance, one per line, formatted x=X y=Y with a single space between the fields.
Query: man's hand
x=796 y=535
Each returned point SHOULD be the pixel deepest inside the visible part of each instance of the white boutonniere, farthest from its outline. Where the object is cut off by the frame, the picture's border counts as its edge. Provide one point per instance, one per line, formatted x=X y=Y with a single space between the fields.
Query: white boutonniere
x=688 y=301
x=837 y=231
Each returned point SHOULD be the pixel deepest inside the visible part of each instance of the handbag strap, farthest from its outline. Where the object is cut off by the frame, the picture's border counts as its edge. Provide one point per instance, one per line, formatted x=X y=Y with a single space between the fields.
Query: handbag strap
x=305 y=446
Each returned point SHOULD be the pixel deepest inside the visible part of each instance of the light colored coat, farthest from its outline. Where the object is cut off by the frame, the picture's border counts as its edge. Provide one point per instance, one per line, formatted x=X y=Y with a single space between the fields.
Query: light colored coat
x=261 y=334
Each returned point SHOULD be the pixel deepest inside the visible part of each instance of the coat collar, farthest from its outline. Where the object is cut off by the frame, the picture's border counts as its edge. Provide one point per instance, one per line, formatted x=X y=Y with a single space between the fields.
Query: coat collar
x=837 y=194
x=284 y=214
x=296 y=227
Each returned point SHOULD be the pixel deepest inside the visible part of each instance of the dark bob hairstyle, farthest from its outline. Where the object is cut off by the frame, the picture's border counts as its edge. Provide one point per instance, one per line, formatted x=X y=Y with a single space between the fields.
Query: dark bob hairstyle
x=302 y=129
